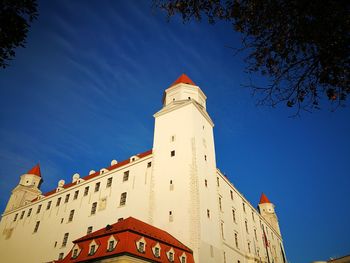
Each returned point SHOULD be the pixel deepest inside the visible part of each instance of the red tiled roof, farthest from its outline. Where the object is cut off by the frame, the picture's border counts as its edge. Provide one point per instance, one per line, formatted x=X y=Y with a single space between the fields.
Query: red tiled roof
x=90 y=176
x=127 y=232
x=264 y=199
x=35 y=170
x=183 y=79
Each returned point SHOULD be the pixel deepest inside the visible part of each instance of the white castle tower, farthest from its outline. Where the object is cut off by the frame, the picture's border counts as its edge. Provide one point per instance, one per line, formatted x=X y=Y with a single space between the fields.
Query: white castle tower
x=27 y=189
x=267 y=210
x=184 y=162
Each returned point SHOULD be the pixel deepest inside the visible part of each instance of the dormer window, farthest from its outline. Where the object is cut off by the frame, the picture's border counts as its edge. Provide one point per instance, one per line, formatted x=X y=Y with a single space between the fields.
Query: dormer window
x=92 y=250
x=183 y=258
x=156 y=250
x=170 y=255
x=141 y=245
x=112 y=243
x=75 y=253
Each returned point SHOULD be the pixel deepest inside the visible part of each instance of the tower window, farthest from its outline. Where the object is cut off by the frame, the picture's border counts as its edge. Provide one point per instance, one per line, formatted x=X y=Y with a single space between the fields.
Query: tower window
x=48 y=205
x=109 y=182
x=86 y=191
x=172 y=138
x=58 y=201
x=236 y=240
x=205 y=157
x=97 y=186
x=22 y=215
x=171 y=185
x=67 y=198
x=38 y=210
x=171 y=219
x=126 y=176
x=76 y=193
x=36 y=226
x=206 y=183
x=65 y=239
x=208 y=213
x=93 y=208
x=123 y=199
x=149 y=164
x=29 y=212
x=71 y=215
x=231 y=193
x=172 y=153
x=15 y=218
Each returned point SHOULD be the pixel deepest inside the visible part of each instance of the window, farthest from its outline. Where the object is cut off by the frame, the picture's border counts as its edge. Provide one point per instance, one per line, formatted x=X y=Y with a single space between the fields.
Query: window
x=122 y=199
x=234 y=215
x=218 y=181
x=253 y=216
x=183 y=259
x=222 y=230
x=29 y=212
x=171 y=185
x=22 y=215
x=109 y=182
x=243 y=207
x=220 y=204
x=93 y=208
x=92 y=250
x=231 y=193
x=120 y=219
x=66 y=199
x=141 y=247
x=111 y=245
x=58 y=201
x=205 y=157
x=236 y=240
x=171 y=218
x=36 y=226
x=206 y=183
x=149 y=164
x=89 y=230
x=75 y=253
x=126 y=176
x=15 y=218
x=256 y=238
x=171 y=256
x=65 y=239
x=208 y=213
x=156 y=252
x=71 y=215
x=86 y=191
x=173 y=138
x=48 y=205
x=55 y=245
x=38 y=210
x=248 y=247
x=76 y=193
x=60 y=256
x=172 y=153
x=246 y=226
x=97 y=186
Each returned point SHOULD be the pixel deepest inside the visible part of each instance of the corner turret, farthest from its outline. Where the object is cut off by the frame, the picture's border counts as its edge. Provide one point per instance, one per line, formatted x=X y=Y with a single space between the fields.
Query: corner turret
x=267 y=210
x=27 y=189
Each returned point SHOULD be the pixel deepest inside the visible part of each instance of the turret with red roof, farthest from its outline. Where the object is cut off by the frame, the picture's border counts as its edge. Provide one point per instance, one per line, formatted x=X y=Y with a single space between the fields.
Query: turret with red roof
x=267 y=210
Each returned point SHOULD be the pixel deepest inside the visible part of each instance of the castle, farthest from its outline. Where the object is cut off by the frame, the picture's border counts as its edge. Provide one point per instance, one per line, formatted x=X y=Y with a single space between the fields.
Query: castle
x=175 y=187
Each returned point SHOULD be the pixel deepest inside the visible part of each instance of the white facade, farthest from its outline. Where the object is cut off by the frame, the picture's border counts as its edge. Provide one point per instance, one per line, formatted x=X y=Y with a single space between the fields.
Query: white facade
x=176 y=187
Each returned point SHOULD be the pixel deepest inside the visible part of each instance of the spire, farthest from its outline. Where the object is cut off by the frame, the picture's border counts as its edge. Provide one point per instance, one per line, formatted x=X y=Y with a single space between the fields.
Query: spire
x=183 y=79
x=35 y=170
x=264 y=199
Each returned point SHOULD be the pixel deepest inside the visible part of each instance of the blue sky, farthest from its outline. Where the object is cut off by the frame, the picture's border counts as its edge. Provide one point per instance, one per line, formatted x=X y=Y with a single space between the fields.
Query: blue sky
x=85 y=88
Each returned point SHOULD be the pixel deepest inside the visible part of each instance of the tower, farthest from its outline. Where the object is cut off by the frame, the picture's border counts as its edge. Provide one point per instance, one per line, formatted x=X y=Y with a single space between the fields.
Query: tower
x=27 y=189
x=184 y=164
x=267 y=210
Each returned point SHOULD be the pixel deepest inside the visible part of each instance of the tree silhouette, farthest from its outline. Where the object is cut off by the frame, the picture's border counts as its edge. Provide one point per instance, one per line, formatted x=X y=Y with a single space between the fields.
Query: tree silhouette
x=15 y=17
x=301 y=46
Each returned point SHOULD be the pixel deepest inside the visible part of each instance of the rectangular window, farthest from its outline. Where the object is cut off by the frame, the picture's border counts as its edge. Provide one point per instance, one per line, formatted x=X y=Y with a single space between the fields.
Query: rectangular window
x=89 y=230
x=256 y=238
x=93 y=208
x=248 y=247
x=58 y=201
x=172 y=153
x=75 y=253
x=122 y=199
x=246 y=226
x=205 y=157
x=156 y=252
x=253 y=216
x=60 y=256
x=38 y=210
x=234 y=215
x=86 y=191
x=220 y=204
x=222 y=230
x=66 y=199
x=22 y=215
x=206 y=183
x=243 y=207
x=218 y=181
x=236 y=240
x=126 y=176
x=171 y=256
x=208 y=213
x=65 y=239
x=71 y=215
x=141 y=247
x=48 y=205
x=231 y=193
x=109 y=182
x=149 y=164
x=111 y=245
x=76 y=194
x=97 y=186
x=36 y=226
x=183 y=260
x=29 y=212
x=92 y=250
x=15 y=218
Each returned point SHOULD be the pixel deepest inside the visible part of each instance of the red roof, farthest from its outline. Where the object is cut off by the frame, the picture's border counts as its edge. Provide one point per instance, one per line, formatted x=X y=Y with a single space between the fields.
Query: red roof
x=110 y=168
x=127 y=232
x=264 y=199
x=183 y=79
x=35 y=170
